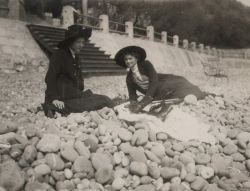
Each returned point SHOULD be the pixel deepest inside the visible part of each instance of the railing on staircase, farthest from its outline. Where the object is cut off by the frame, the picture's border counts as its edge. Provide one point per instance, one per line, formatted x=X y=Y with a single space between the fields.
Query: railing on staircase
x=117 y=27
x=92 y=59
x=139 y=32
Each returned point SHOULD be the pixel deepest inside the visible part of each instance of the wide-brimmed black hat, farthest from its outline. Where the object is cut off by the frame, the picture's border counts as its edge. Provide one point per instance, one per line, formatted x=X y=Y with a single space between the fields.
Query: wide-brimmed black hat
x=119 y=57
x=75 y=31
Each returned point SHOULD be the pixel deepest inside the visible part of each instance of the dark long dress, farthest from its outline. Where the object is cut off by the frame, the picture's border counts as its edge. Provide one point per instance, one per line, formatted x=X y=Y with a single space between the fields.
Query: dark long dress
x=65 y=83
x=161 y=86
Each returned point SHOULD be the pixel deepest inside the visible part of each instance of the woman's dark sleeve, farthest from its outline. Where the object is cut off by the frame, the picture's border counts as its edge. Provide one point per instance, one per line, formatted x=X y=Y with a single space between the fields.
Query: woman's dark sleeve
x=131 y=88
x=52 y=76
x=153 y=78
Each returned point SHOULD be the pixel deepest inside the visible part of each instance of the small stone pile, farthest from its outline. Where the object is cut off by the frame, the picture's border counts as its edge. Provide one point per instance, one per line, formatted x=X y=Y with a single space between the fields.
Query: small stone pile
x=95 y=151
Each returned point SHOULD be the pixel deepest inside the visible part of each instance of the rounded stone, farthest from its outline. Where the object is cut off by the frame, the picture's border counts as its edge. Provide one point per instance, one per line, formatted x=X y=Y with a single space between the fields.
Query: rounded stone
x=247 y=153
x=190 y=177
x=154 y=171
x=91 y=143
x=206 y=172
x=125 y=147
x=168 y=173
x=82 y=164
x=69 y=153
x=146 y=187
x=118 y=183
x=49 y=143
x=42 y=170
x=178 y=146
x=54 y=161
x=104 y=174
x=230 y=149
x=11 y=177
x=161 y=136
x=202 y=158
x=186 y=159
x=100 y=160
x=30 y=153
x=124 y=135
x=158 y=150
x=140 y=137
x=137 y=154
x=138 y=168
x=238 y=157
x=243 y=136
x=82 y=149
x=68 y=173
x=248 y=164
x=198 y=184
x=232 y=133
x=190 y=99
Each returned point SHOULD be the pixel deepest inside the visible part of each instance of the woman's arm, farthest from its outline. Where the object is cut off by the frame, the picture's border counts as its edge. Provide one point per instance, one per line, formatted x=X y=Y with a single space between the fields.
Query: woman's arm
x=131 y=88
x=52 y=76
x=153 y=78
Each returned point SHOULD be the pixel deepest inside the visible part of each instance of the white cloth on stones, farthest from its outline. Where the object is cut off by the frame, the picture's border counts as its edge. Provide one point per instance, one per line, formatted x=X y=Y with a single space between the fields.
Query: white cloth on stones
x=178 y=124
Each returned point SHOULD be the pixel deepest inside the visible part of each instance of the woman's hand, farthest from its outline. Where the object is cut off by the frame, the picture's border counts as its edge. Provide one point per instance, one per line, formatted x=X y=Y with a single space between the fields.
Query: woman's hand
x=58 y=104
x=135 y=107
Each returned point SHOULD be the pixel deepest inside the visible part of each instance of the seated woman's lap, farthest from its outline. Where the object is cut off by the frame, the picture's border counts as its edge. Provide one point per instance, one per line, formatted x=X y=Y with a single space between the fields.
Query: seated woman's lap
x=90 y=103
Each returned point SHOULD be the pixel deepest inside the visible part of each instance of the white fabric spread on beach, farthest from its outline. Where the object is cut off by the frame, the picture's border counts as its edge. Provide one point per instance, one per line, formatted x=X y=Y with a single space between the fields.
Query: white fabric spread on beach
x=178 y=124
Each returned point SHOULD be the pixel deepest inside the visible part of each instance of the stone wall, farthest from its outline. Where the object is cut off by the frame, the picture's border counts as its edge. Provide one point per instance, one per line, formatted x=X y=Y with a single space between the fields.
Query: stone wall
x=17 y=45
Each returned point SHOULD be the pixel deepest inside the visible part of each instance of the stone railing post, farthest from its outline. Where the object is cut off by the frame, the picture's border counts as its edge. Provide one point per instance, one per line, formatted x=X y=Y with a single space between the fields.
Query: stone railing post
x=104 y=23
x=176 y=41
x=201 y=48
x=214 y=51
x=129 y=29
x=56 y=22
x=208 y=50
x=245 y=55
x=193 y=46
x=150 y=32
x=85 y=11
x=14 y=9
x=185 y=44
x=48 y=17
x=68 y=15
x=164 y=37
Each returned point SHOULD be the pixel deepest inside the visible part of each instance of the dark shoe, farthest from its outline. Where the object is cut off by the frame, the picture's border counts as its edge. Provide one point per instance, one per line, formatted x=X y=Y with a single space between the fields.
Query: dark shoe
x=50 y=114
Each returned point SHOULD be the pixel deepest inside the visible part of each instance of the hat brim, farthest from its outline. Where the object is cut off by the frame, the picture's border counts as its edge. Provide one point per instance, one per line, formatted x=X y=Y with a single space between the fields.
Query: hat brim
x=85 y=33
x=119 y=57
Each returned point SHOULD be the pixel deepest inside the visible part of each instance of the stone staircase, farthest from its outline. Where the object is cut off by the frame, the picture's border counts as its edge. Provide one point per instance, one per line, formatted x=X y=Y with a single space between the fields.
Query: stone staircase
x=92 y=59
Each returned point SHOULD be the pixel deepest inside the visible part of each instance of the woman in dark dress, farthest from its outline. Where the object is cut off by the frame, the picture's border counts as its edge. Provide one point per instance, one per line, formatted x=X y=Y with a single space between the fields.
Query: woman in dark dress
x=64 y=80
x=142 y=77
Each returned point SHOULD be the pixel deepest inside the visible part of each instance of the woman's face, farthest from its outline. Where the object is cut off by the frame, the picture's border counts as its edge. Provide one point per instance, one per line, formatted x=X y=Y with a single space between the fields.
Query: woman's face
x=130 y=60
x=78 y=44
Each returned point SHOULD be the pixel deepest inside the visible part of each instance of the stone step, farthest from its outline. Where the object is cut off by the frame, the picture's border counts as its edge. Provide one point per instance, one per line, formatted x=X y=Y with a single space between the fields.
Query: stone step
x=92 y=59
x=46 y=33
x=104 y=70
x=99 y=65
x=101 y=62
x=47 y=28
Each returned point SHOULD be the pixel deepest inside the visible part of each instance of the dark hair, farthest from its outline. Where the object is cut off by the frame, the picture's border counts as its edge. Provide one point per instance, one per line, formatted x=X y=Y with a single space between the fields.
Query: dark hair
x=135 y=54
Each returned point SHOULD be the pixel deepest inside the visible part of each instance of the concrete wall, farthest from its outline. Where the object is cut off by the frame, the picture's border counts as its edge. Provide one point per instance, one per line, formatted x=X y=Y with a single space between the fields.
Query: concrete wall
x=166 y=59
x=17 y=46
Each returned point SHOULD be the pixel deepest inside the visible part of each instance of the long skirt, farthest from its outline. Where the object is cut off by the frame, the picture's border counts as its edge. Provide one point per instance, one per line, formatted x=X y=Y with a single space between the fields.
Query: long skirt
x=88 y=102
x=173 y=86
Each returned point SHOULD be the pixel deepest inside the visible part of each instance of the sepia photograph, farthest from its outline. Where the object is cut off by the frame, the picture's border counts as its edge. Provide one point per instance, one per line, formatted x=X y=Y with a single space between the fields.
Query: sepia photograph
x=124 y=95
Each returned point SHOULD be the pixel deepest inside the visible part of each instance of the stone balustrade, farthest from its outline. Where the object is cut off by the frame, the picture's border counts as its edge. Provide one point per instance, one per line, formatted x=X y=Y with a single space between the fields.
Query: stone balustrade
x=13 y=12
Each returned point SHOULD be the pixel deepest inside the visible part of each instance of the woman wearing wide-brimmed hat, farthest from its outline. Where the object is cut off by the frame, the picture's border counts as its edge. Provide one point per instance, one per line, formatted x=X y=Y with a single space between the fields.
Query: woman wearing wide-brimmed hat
x=64 y=80
x=142 y=77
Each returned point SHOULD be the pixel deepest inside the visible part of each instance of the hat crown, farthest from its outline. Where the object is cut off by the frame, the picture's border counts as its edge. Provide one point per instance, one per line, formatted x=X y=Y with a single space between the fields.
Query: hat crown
x=74 y=30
